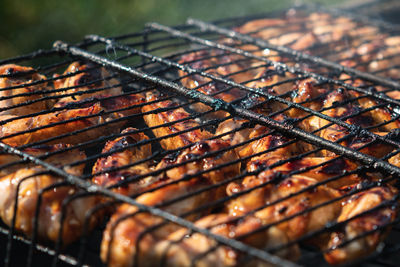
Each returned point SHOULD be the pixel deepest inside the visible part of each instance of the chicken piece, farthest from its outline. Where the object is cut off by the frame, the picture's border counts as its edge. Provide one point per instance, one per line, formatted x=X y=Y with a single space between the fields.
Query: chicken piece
x=269 y=143
x=156 y=119
x=364 y=119
x=268 y=81
x=357 y=204
x=268 y=29
x=182 y=247
x=304 y=220
x=19 y=76
x=32 y=181
x=67 y=121
x=121 y=251
x=89 y=77
x=309 y=95
x=126 y=153
x=230 y=131
x=26 y=185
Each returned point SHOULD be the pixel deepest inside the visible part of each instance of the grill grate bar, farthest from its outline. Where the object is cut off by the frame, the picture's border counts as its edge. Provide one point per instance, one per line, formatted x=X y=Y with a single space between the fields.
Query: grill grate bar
x=235 y=110
x=277 y=65
x=190 y=71
x=296 y=54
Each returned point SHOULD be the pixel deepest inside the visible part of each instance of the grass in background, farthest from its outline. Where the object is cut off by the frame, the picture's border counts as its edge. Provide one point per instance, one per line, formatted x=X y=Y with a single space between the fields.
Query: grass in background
x=29 y=25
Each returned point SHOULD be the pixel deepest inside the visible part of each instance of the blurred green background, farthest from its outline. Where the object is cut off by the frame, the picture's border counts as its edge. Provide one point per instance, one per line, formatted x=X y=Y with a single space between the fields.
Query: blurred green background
x=29 y=25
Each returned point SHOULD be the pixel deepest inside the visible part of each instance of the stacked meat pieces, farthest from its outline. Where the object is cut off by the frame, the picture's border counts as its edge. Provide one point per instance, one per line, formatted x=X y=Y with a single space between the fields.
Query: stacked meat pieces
x=38 y=118
x=236 y=180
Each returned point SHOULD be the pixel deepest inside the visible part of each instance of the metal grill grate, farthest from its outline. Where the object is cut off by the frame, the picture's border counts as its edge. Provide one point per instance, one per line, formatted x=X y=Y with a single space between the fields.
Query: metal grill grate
x=207 y=75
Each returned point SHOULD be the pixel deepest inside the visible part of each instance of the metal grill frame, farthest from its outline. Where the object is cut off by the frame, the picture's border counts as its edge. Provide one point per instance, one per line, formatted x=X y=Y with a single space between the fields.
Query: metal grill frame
x=368 y=161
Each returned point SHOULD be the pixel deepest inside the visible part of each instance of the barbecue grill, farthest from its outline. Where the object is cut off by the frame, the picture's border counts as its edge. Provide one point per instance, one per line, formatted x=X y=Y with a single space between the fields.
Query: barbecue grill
x=153 y=59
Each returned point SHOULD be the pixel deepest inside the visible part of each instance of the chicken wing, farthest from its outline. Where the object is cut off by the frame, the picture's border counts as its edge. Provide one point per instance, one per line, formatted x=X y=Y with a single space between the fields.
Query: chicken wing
x=19 y=76
x=10 y=163
x=355 y=116
x=299 y=205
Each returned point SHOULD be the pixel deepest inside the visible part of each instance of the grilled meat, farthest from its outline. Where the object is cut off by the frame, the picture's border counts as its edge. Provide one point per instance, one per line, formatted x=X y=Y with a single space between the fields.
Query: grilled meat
x=84 y=81
x=181 y=247
x=171 y=185
x=70 y=119
x=28 y=184
x=120 y=165
x=363 y=228
x=272 y=189
x=178 y=123
x=28 y=83
x=49 y=153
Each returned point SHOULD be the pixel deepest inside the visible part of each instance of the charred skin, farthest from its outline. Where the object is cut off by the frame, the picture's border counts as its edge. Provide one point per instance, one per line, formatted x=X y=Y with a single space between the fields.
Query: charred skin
x=354 y=205
x=181 y=247
x=128 y=154
x=88 y=77
x=274 y=143
x=123 y=248
x=37 y=91
x=172 y=115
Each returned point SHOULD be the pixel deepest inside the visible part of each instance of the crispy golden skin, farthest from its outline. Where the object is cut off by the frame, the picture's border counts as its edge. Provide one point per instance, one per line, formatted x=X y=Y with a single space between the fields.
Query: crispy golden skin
x=128 y=154
x=123 y=248
x=17 y=78
x=30 y=181
x=159 y=118
x=88 y=77
x=354 y=205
